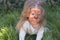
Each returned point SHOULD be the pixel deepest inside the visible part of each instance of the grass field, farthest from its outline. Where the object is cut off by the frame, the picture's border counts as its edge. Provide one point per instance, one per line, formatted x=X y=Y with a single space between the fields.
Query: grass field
x=9 y=19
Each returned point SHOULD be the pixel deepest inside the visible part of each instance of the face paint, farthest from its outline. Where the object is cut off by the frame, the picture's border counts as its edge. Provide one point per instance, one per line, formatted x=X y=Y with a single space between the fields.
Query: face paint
x=34 y=16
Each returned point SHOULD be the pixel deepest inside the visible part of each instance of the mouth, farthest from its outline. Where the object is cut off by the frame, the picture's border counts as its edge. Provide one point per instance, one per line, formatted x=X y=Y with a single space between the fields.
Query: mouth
x=35 y=20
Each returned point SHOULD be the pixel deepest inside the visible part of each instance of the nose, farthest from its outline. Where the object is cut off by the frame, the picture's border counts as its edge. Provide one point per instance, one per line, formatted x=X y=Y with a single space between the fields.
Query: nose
x=35 y=16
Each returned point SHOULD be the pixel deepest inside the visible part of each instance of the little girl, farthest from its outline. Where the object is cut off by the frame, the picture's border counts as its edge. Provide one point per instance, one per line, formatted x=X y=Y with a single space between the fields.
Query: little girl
x=32 y=20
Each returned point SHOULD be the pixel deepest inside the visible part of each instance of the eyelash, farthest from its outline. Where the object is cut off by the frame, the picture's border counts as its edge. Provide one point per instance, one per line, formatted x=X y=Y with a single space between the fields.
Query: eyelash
x=38 y=14
x=32 y=14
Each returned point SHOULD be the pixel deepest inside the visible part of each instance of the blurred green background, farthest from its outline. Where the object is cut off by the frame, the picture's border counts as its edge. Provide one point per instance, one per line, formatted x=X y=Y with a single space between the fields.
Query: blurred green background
x=10 y=11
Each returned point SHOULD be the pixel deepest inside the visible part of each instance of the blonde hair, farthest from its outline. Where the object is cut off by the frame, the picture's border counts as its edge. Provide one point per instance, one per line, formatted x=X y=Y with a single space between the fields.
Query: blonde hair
x=27 y=6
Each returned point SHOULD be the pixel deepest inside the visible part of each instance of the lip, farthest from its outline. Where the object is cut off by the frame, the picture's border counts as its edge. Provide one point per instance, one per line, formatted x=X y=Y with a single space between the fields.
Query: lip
x=36 y=20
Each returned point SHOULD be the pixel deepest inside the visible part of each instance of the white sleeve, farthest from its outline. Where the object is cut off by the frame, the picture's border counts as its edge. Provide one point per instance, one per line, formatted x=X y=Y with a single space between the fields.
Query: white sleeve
x=40 y=34
x=25 y=26
x=22 y=34
x=23 y=31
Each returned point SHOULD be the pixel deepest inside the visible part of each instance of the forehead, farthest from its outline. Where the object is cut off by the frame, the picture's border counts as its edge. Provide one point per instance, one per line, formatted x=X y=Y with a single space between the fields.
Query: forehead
x=35 y=10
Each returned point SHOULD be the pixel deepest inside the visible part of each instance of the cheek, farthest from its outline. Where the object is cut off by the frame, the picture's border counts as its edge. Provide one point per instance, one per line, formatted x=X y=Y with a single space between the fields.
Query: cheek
x=31 y=16
x=39 y=17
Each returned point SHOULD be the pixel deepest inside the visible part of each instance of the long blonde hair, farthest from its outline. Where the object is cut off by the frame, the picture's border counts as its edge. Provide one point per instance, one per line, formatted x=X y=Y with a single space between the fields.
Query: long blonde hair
x=27 y=6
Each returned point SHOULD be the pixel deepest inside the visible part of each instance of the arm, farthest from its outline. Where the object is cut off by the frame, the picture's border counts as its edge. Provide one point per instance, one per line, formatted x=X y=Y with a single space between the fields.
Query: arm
x=22 y=34
x=40 y=34
x=23 y=31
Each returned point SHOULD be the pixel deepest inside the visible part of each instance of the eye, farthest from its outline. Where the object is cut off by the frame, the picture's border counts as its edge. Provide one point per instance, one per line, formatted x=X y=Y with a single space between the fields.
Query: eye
x=39 y=14
x=32 y=13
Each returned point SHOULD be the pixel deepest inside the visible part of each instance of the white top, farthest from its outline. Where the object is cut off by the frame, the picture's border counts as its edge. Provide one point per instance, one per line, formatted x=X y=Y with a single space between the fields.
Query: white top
x=29 y=29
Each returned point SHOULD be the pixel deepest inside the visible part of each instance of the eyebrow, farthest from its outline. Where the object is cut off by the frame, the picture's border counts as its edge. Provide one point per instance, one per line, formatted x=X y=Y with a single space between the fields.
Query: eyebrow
x=35 y=11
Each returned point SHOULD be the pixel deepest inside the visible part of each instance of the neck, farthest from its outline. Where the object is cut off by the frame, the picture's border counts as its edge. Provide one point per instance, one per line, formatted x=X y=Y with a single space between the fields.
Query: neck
x=36 y=26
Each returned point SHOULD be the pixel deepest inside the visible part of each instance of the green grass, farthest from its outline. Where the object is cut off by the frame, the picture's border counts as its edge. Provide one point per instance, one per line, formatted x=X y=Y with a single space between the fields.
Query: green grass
x=9 y=19
x=8 y=33
x=8 y=23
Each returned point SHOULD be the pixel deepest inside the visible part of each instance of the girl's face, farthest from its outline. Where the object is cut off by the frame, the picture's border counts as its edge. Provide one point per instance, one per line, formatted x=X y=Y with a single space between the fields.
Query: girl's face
x=34 y=16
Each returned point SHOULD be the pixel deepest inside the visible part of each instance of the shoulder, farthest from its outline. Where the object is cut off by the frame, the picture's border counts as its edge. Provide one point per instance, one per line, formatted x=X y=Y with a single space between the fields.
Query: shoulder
x=26 y=24
x=45 y=29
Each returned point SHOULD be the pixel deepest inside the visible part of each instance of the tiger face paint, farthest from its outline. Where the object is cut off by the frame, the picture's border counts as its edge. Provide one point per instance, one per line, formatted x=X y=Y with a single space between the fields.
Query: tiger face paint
x=34 y=15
